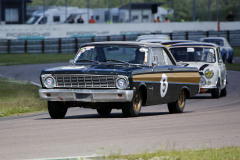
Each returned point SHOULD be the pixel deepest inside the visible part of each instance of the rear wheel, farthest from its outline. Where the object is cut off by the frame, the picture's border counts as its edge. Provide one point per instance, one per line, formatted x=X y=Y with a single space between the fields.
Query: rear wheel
x=104 y=111
x=132 y=109
x=179 y=105
x=57 y=110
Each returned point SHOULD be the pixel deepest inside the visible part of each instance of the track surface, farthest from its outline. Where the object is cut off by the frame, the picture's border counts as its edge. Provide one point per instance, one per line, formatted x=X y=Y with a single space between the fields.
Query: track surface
x=206 y=122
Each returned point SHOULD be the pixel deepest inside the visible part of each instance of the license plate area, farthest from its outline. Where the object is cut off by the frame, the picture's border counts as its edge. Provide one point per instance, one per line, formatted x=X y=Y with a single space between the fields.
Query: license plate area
x=83 y=96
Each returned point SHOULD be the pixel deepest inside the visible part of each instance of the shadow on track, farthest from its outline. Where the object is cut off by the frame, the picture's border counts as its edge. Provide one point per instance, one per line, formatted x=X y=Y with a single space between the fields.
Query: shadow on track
x=202 y=97
x=115 y=115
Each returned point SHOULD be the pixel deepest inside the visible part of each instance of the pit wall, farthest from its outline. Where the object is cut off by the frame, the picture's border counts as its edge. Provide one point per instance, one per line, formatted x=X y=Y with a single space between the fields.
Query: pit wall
x=79 y=30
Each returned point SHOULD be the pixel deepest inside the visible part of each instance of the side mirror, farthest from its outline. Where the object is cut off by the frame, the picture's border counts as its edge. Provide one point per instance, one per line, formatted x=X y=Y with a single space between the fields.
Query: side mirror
x=71 y=61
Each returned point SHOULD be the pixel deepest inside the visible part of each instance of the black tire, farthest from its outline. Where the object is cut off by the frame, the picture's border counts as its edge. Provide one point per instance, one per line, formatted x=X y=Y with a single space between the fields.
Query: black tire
x=216 y=92
x=224 y=92
x=104 y=111
x=57 y=110
x=132 y=109
x=179 y=105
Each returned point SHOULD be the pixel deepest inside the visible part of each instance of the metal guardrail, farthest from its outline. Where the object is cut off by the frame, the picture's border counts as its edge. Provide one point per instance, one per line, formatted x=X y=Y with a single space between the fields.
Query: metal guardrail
x=71 y=45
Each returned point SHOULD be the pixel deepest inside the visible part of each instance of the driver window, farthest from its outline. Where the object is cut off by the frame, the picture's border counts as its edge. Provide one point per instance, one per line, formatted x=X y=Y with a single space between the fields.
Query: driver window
x=157 y=56
x=160 y=56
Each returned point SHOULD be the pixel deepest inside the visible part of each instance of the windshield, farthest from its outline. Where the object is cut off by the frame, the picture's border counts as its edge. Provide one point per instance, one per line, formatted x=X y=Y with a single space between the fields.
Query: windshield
x=112 y=54
x=193 y=54
x=216 y=41
x=32 y=20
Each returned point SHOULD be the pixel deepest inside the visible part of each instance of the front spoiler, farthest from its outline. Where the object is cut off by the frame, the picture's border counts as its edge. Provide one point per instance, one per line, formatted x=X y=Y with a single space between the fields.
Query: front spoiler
x=87 y=95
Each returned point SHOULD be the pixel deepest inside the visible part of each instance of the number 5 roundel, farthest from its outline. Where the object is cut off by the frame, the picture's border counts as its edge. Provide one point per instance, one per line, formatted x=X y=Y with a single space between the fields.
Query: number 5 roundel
x=164 y=85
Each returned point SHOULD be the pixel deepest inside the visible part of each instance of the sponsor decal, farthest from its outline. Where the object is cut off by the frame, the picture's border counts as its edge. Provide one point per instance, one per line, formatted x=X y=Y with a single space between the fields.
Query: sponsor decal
x=27 y=34
x=164 y=85
x=190 y=49
x=86 y=33
x=211 y=50
x=143 y=49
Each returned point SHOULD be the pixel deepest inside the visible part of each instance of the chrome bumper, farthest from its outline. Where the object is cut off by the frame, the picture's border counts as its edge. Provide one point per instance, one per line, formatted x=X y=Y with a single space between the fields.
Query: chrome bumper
x=86 y=95
x=208 y=87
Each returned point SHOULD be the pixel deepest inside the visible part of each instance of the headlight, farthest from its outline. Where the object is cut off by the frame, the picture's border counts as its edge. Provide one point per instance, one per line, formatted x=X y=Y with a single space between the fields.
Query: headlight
x=49 y=82
x=122 y=83
x=209 y=73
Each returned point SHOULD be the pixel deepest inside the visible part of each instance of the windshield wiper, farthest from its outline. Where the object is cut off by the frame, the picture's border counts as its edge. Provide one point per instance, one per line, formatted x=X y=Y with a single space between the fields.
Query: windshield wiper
x=86 y=60
x=114 y=60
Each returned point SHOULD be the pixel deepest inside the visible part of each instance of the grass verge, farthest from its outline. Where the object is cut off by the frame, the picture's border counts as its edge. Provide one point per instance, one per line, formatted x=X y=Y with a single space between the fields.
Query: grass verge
x=236 y=51
x=17 y=59
x=229 y=153
x=234 y=66
x=19 y=97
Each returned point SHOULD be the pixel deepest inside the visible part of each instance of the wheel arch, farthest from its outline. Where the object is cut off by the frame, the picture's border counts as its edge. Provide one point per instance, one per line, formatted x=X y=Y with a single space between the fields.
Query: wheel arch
x=187 y=91
x=143 y=90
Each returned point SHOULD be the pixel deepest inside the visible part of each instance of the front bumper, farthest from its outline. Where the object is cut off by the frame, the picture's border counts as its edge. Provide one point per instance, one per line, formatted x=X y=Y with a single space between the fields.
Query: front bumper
x=87 y=95
x=205 y=88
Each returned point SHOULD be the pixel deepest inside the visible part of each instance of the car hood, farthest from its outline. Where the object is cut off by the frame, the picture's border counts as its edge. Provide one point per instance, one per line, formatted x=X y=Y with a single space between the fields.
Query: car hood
x=199 y=65
x=94 y=69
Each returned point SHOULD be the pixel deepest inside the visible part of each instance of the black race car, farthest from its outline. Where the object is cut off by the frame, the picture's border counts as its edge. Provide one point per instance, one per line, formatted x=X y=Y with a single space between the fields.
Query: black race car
x=119 y=75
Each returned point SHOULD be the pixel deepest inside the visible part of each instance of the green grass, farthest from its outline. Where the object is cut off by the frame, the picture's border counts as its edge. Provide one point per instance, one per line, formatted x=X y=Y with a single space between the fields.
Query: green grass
x=229 y=153
x=18 y=97
x=234 y=66
x=236 y=51
x=16 y=59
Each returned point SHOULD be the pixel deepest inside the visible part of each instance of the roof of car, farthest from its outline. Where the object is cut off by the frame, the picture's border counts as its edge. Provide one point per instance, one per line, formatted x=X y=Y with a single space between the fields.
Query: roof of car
x=152 y=40
x=213 y=38
x=199 y=44
x=177 y=41
x=128 y=43
x=153 y=36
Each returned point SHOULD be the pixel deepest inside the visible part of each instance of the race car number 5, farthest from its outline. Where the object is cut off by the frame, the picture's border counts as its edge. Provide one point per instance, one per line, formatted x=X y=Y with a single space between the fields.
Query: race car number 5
x=164 y=85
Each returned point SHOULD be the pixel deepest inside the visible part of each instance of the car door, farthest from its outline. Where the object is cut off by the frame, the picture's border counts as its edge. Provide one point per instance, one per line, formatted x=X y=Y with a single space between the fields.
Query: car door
x=163 y=69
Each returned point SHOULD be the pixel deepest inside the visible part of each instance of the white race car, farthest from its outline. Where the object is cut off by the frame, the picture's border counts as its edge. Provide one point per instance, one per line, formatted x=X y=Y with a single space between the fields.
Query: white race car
x=208 y=59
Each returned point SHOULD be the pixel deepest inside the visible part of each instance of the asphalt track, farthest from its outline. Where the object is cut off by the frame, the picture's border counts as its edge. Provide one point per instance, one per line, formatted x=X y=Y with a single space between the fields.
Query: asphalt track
x=206 y=122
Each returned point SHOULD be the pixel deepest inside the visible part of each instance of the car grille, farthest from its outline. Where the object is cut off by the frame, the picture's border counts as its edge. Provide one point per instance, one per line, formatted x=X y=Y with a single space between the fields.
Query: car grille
x=85 y=81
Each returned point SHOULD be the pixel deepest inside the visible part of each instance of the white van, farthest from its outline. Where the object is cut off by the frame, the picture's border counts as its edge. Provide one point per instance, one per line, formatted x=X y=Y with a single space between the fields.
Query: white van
x=58 y=15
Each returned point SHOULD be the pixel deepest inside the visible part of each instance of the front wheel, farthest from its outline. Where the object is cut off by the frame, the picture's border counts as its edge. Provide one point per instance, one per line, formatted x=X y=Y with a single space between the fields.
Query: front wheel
x=179 y=105
x=216 y=92
x=132 y=109
x=224 y=92
x=57 y=110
